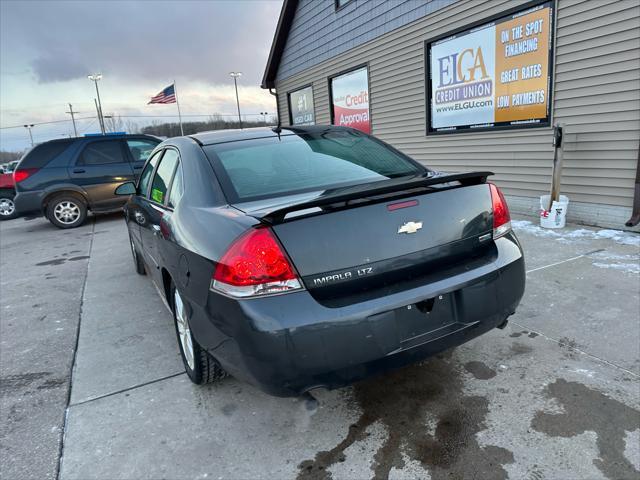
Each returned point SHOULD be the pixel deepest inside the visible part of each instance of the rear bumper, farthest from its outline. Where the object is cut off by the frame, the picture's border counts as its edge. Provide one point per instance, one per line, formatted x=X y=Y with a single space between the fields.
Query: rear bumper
x=28 y=203
x=289 y=344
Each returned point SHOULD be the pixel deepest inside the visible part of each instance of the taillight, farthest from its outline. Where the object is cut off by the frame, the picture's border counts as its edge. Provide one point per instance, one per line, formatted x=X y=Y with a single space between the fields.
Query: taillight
x=23 y=173
x=501 y=217
x=254 y=265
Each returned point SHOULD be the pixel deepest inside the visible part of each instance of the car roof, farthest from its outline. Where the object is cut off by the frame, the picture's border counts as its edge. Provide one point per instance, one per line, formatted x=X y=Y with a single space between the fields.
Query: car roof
x=223 y=136
x=99 y=137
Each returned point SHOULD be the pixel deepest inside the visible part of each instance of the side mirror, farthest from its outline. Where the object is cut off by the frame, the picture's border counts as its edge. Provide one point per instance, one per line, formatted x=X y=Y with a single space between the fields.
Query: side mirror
x=128 y=188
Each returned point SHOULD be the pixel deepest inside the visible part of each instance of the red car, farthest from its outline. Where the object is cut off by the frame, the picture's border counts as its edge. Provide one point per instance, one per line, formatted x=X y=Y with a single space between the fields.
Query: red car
x=7 y=192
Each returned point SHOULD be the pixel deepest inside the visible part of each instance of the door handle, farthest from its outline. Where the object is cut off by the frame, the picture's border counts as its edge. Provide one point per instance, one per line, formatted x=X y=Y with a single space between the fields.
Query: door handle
x=79 y=170
x=137 y=168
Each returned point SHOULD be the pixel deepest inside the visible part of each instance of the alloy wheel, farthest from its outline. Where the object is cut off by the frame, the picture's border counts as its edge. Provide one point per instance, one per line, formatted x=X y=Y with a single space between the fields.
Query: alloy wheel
x=7 y=207
x=67 y=212
x=184 y=332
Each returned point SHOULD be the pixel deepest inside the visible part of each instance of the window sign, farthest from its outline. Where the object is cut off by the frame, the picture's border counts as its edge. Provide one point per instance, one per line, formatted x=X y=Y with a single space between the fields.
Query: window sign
x=494 y=75
x=350 y=100
x=301 y=107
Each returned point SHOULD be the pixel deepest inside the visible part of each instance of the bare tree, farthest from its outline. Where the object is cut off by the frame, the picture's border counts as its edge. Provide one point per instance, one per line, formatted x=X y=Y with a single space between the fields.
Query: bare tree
x=9 y=156
x=214 y=122
x=113 y=123
x=132 y=127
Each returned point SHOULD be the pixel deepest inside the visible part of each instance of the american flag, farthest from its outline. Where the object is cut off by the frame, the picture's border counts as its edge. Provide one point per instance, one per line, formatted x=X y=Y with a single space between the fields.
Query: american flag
x=168 y=95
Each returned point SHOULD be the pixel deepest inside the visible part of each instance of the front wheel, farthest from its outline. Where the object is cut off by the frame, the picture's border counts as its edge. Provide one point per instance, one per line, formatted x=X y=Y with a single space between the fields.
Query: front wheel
x=67 y=211
x=7 y=207
x=200 y=366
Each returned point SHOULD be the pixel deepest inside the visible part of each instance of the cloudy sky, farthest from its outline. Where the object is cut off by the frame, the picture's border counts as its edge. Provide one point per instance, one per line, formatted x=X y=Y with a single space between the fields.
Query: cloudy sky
x=47 y=48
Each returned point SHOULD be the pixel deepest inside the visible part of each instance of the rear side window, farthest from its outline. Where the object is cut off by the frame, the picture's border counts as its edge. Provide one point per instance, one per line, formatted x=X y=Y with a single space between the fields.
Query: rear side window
x=162 y=178
x=141 y=149
x=177 y=188
x=269 y=167
x=42 y=154
x=101 y=153
x=145 y=176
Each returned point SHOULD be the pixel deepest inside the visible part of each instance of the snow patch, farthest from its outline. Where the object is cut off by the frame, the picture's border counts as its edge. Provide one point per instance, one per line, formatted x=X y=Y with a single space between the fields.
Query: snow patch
x=618 y=236
x=624 y=267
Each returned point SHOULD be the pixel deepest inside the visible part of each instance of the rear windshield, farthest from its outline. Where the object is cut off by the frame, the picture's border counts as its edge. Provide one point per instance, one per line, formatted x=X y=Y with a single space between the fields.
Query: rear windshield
x=271 y=167
x=42 y=154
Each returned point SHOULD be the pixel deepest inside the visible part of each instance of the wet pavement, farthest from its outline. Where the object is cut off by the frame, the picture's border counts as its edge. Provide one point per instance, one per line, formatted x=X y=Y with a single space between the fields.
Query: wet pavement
x=555 y=395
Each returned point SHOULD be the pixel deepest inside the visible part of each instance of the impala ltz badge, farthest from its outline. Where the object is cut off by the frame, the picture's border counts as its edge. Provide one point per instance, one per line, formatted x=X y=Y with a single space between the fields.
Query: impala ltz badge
x=410 y=227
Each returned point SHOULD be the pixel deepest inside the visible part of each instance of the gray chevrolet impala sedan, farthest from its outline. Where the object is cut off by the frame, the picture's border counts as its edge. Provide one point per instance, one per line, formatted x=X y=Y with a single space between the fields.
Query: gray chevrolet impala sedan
x=296 y=258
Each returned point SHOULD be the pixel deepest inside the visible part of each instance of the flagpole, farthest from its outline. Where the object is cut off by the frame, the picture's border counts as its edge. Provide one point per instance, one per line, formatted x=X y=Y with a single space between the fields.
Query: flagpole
x=175 y=91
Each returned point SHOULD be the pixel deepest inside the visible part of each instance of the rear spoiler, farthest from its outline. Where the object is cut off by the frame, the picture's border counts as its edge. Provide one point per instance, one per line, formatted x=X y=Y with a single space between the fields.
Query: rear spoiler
x=361 y=192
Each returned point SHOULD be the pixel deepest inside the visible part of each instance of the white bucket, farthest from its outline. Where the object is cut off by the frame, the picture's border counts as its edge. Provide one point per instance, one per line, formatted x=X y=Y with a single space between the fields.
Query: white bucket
x=556 y=217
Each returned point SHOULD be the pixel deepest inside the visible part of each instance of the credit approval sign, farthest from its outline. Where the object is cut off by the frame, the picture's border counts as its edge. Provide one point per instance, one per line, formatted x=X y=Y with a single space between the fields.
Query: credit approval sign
x=350 y=100
x=495 y=75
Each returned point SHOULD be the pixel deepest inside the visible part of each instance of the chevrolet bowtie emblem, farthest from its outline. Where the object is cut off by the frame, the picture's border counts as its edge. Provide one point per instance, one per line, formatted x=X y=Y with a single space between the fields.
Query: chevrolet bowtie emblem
x=410 y=227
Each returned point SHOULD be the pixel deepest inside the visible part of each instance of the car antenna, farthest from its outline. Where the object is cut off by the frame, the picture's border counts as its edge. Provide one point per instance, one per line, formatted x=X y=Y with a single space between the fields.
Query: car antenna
x=278 y=128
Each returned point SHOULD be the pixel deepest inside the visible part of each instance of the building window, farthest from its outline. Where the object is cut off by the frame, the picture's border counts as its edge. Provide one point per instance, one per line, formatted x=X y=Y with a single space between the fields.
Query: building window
x=497 y=74
x=350 y=100
x=301 y=111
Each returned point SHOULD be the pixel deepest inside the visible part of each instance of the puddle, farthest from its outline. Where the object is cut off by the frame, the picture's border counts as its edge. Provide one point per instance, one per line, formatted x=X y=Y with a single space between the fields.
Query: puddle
x=403 y=401
x=586 y=409
x=60 y=261
x=518 y=348
x=56 y=261
x=81 y=257
x=479 y=370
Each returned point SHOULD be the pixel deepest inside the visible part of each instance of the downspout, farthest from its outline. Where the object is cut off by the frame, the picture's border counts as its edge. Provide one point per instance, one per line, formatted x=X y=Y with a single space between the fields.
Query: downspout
x=635 y=213
x=275 y=94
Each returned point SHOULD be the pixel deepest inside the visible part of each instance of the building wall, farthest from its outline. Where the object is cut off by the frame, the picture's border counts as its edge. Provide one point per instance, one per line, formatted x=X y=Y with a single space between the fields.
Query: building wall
x=596 y=97
x=319 y=32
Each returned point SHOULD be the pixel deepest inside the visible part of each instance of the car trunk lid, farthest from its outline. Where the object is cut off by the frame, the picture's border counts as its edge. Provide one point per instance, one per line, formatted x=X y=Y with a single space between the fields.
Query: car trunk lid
x=350 y=246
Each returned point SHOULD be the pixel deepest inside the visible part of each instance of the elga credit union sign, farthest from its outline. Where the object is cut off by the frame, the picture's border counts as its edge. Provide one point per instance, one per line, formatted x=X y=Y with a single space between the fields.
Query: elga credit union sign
x=350 y=100
x=495 y=75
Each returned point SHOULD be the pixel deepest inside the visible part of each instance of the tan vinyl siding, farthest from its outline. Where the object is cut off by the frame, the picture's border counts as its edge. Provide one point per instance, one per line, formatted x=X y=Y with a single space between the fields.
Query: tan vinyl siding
x=596 y=96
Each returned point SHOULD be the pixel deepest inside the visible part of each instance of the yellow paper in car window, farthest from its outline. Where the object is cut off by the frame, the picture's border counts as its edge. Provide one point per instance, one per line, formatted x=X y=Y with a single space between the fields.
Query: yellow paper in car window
x=157 y=195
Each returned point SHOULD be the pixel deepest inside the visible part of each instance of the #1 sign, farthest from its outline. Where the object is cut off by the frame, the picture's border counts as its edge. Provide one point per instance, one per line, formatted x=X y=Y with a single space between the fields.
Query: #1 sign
x=497 y=74
x=301 y=107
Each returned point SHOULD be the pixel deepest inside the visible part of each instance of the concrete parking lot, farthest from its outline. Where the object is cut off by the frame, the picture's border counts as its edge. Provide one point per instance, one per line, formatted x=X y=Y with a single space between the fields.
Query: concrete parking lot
x=93 y=387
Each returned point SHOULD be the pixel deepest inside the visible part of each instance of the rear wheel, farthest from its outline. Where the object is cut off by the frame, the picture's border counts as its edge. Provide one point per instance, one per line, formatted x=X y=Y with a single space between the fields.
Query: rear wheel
x=7 y=207
x=67 y=211
x=200 y=366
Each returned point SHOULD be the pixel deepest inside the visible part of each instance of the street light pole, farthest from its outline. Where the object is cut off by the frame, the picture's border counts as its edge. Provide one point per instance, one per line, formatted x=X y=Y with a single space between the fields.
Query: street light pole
x=235 y=76
x=264 y=117
x=29 y=127
x=94 y=78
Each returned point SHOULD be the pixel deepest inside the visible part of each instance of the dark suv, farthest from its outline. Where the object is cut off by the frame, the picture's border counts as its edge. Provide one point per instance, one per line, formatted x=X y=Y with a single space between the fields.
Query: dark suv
x=63 y=179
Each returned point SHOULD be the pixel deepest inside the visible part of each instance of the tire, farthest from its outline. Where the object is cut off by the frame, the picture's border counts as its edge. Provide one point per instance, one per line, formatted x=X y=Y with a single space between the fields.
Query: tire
x=137 y=261
x=67 y=210
x=201 y=367
x=7 y=207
